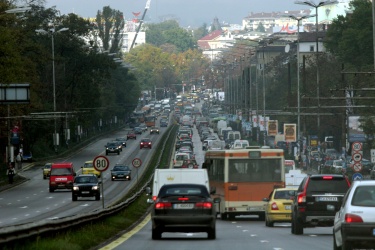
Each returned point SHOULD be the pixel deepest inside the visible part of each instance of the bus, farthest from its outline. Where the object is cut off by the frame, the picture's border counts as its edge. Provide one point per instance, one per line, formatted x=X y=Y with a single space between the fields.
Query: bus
x=150 y=120
x=243 y=177
x=139 y=116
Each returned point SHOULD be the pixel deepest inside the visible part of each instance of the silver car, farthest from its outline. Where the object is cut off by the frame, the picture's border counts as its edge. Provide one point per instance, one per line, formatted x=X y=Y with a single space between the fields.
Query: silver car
x=354 y=225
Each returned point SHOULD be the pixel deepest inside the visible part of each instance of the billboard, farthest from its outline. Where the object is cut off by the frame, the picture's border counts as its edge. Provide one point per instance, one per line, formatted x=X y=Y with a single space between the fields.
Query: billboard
x=273 y=127
x=290 y=132
x=355 y=132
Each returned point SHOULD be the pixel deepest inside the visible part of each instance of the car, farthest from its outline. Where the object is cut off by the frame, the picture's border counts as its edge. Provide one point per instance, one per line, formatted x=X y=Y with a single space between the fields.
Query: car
x=145 y=143
x=138 y=130
x=121 y=172
x=27 y=157
x=122 y=140
x=119 y=144
x=183 y=208
x=338 y=166
x=318 y=198
x=86 y=185
x=88 y=168
x=46 y=170
x=191 y=163
x=163 y=123
x=154 y=130
x=131 y=135
x=355 y=221
x=112 y=148
x=179 y=159
x=279 y=205
x=143 y=126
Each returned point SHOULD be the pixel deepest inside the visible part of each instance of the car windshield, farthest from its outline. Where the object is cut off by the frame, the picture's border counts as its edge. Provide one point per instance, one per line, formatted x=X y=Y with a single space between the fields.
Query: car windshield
x=61 y=171
x=85 y=179
x=88 y=165
x=121 y=168
x=182 y=157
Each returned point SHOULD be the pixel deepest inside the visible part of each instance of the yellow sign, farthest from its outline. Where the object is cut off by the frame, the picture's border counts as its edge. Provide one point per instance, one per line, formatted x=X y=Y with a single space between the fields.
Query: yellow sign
x=290 y=132
x=273 y=127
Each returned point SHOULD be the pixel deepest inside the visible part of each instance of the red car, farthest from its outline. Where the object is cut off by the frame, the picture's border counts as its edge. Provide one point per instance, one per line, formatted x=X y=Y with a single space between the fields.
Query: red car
x=145 y=143
x=131 y=135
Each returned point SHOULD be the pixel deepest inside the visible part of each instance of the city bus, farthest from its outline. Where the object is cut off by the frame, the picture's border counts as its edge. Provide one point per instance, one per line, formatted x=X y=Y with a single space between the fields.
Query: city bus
x=150 y=121
x=243 y=177
x=139 y=116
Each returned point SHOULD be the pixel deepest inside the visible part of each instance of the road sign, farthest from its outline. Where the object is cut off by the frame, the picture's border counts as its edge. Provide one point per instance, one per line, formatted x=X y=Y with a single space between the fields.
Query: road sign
x=372 y=155
x=357 y=176
x=357 y=157
x=136 y=162
x=101 y=163
x=357 y=146
x=357 y=167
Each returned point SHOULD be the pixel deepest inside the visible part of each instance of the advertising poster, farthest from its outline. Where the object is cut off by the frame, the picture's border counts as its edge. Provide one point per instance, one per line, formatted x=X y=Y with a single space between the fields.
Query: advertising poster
x=273 y=127
x=290 y=132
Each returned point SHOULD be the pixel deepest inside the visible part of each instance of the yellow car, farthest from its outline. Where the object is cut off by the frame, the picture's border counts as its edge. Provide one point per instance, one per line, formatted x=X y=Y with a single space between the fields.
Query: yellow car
x=46 y=170
x=279 y=204
x=88 y=168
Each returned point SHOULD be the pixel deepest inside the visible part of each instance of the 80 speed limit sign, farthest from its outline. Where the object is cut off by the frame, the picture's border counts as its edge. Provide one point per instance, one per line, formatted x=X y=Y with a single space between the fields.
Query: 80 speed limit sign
x=101 y=163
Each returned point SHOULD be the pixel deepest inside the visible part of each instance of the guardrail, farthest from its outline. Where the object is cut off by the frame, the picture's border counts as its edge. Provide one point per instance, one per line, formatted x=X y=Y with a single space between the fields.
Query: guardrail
x=29 y=230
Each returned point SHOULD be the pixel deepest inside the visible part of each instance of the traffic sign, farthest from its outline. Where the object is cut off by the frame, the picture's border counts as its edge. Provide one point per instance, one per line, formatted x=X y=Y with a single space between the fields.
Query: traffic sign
x=101 y=163
x=357 y=176
x=372 y=155
x=136 y=162
x=357 y=157
x=357 y=167
x=357 y=146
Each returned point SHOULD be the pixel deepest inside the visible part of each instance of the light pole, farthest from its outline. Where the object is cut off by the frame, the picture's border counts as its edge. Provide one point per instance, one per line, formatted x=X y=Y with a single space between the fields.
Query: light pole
x=52 y=32
x=316 y=6
x=298 y=19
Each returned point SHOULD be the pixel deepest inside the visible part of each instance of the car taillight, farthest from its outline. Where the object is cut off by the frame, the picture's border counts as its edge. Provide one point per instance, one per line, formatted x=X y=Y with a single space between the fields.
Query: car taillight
x=274 y=206
x=204 y=205
x=301 y=197
x=352 y=218
x=163 y=205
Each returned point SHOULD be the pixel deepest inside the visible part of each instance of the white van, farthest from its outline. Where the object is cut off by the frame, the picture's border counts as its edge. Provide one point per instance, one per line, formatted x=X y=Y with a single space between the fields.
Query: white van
x=240 y=144
x=173 y=176
x=289 y=165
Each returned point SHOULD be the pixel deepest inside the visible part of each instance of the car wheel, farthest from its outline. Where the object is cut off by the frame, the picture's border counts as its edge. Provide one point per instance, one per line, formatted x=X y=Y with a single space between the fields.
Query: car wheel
x=51 y=190
x=74 y=197
x=268 y=223
x=106 y=153
x=44 y=177
x=211 y=233
x=97 y=197
x=335 y=247
x=118 y=152
x=298 y=227
x=156 y=234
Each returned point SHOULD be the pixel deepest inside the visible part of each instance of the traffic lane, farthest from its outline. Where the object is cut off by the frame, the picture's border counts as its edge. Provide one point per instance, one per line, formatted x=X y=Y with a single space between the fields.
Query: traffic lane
x=236 y=234
x=32 y=201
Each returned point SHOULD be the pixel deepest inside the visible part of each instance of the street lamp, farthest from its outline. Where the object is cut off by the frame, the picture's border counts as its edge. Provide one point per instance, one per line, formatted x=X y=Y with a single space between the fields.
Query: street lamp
x=52 y=32
x=298 y=19
x=316 y=6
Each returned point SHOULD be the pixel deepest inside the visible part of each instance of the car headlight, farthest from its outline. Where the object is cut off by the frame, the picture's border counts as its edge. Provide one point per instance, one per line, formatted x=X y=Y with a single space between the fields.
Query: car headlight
x=95 y=187
x=75 y=188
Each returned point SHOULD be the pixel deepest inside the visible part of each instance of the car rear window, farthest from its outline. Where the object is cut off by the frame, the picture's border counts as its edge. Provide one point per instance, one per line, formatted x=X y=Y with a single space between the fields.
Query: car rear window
x=364 y=196
x=184 y=190
x=285 y=194
x=327 y=184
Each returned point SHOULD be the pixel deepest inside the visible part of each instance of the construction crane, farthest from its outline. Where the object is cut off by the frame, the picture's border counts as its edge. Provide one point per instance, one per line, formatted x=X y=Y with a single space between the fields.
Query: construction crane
x=140 y=23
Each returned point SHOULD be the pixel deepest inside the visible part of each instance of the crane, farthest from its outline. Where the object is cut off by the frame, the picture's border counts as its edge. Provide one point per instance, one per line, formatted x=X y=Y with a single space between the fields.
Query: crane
x=140 y=23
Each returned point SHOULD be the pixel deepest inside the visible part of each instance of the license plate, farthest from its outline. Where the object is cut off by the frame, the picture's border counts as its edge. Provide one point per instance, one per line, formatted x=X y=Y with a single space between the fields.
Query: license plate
x=326 y=198
x=85 y=192
x=183 y=206
x=288 y=207
x=120 y=175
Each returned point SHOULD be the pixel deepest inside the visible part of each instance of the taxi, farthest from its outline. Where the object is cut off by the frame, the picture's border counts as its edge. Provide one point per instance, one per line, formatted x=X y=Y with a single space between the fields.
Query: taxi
x=46 y=170
x=279 y=205
x=88 y=168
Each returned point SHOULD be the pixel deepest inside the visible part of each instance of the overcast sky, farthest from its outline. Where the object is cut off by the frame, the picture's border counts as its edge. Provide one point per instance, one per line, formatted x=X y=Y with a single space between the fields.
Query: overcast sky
x=189 y=12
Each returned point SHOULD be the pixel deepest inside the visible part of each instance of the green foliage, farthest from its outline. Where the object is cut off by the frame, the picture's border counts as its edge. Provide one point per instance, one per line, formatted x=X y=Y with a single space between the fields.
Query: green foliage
x=260 y=28
x=200 y=32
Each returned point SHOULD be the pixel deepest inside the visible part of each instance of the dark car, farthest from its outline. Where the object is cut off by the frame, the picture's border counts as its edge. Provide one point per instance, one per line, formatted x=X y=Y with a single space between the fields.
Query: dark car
x=112 y=148
x=121 y=172
x=183 y=208
x=154 y=130
x=145 y=143
x=122 y=140
x=131 y=135
x=163 y=123
x=138 y=130
x=86 y=185
x=318 y=198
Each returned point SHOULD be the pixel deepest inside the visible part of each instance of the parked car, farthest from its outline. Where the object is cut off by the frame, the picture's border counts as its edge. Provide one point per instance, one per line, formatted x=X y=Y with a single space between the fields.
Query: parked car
x=112 y=148
x=86 y=185
x=145 y=143
x=183 y=208
x=131 y=135
x=46 y=170
x=279 y=205
x=318 y=198
x=355 y=221
x=121 y=172
x=154 y=130
x=27 y=157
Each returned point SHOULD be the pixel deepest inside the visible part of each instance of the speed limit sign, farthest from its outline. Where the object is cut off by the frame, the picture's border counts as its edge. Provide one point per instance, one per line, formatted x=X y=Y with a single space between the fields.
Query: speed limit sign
x=137 y=162
x=101 y=163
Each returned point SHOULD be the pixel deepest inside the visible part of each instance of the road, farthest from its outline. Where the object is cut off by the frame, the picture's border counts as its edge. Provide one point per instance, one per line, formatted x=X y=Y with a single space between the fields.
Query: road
x=32 y=201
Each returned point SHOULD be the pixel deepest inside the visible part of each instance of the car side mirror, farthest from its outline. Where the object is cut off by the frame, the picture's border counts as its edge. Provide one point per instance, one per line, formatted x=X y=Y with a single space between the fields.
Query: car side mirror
x=150 y=201
x=212 y=190
x=217 y=200
x=266 y=199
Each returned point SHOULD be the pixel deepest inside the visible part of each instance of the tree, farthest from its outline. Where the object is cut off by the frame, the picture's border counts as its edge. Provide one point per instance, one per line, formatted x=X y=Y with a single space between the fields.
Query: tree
x=261 y=28
x=200 y=32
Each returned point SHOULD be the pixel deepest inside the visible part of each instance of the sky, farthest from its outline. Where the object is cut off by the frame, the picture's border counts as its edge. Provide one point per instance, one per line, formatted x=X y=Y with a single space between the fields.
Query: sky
x=193 y=13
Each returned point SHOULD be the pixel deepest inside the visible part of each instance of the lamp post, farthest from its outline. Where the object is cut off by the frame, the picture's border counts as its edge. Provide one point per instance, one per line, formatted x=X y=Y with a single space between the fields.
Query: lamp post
x=298 y=19
x=52 y=32
x=316 y=6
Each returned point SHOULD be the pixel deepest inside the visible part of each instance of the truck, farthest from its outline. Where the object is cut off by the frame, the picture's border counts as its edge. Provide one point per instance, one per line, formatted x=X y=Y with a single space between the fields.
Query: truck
x=61 y=176
x=173 y=176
